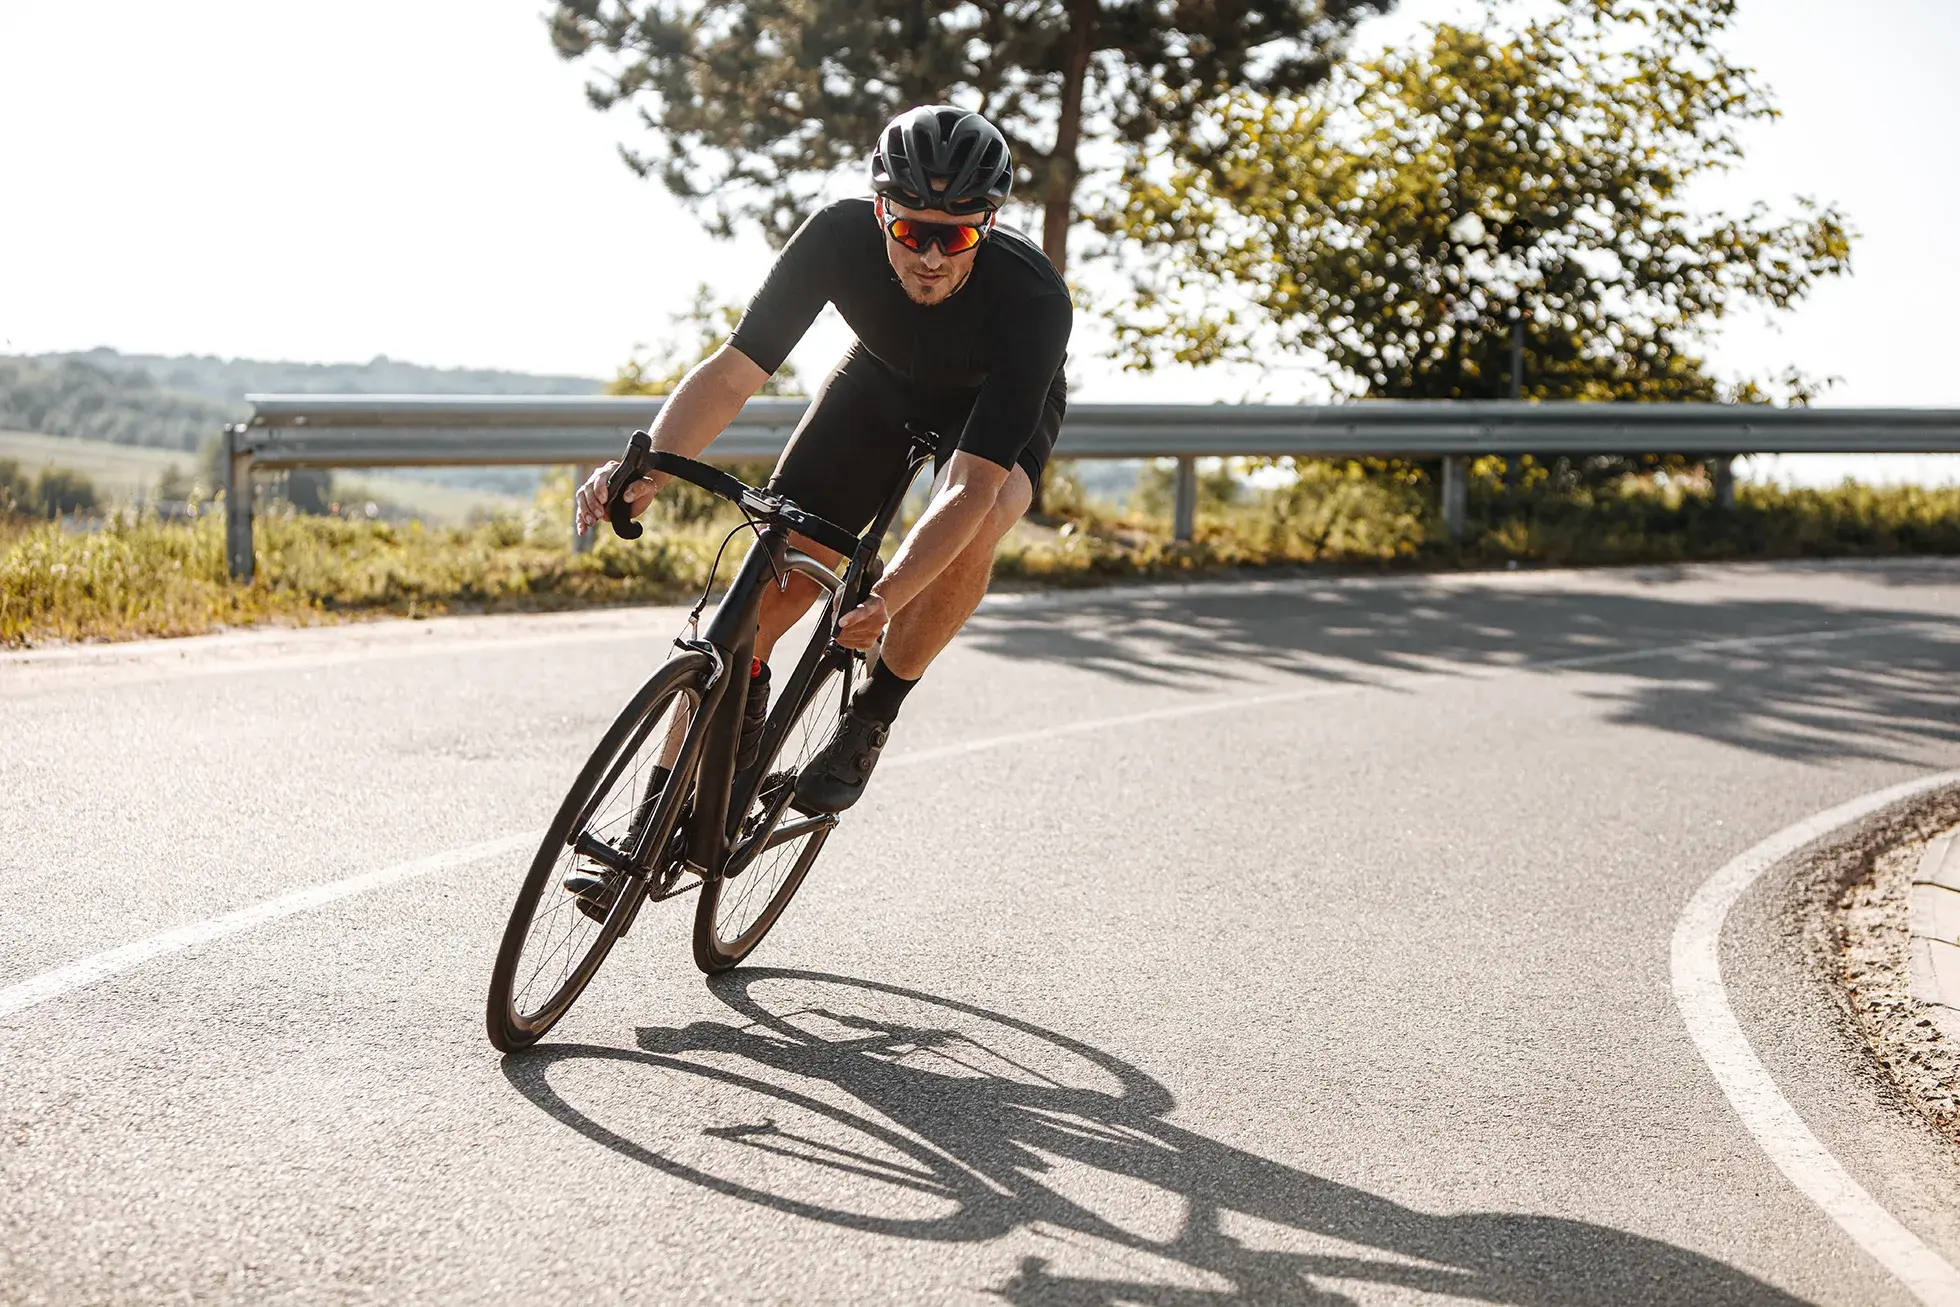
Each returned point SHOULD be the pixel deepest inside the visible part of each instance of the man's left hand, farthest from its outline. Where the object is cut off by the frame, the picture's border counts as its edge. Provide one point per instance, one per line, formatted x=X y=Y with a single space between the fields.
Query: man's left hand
x=861 y=627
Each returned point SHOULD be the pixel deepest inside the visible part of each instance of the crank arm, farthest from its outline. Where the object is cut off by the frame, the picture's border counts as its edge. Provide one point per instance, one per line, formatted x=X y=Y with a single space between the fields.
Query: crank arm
x=605 y=854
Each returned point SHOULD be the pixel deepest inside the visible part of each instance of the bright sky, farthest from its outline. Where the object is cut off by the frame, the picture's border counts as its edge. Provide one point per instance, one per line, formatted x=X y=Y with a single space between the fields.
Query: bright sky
x=423 y=179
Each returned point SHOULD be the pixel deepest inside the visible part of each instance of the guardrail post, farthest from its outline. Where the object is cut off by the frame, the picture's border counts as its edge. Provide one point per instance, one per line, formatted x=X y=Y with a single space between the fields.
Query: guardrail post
x=1456 y=496
x=582 y=541
x=1184 y=502
x=238 y=503
x=1721 y=471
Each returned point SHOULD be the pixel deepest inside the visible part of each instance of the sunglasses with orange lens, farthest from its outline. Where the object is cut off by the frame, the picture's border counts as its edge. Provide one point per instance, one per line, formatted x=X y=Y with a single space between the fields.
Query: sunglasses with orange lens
x=951 y=237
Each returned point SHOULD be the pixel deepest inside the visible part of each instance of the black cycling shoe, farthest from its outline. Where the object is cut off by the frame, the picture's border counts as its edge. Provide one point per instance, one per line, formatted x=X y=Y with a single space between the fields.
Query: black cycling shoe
x=836 y=776
x=596 y=888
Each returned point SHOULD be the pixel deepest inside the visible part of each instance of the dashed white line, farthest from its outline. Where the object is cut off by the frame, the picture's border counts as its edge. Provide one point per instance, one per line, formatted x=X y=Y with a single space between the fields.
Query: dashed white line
x=100 y=966
x=90 y=970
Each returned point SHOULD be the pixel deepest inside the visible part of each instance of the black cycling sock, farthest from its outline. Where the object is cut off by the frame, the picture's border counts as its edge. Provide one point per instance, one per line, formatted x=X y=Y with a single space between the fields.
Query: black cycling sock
x=883 y=691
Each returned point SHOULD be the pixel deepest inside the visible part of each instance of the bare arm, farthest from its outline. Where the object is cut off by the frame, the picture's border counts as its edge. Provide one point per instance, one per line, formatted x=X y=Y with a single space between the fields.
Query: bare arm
x=699 y=409
x=957 y=511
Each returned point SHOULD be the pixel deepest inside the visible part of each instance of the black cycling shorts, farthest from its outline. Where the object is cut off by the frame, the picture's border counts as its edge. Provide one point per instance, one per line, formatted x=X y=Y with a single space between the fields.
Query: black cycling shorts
x=851 y=445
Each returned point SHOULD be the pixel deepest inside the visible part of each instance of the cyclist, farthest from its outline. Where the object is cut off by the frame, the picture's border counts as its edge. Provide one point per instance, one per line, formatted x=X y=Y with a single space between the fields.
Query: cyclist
x=962 y=325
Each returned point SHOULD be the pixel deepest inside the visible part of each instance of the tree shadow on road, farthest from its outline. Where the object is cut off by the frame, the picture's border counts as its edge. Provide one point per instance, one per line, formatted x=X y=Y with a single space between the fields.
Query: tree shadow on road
x=1802 y=680
x=882 y=1109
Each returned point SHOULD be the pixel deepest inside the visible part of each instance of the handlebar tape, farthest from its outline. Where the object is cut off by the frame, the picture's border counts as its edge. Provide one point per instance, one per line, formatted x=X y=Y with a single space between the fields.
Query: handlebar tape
x=630 y=469
x=641 y=458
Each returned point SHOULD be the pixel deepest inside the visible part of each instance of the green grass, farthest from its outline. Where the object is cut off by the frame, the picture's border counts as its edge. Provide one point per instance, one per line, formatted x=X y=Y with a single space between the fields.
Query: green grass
x=145 y=578
x=1355 y=515
x=148 y=578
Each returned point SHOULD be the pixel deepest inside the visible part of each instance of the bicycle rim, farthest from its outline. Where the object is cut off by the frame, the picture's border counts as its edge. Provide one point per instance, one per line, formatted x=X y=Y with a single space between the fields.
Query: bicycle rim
x=736 y=911
x=551 y=947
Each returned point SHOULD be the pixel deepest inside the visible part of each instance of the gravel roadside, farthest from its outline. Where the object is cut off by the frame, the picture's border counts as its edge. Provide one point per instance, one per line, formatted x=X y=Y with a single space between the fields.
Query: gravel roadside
x=1865 y=945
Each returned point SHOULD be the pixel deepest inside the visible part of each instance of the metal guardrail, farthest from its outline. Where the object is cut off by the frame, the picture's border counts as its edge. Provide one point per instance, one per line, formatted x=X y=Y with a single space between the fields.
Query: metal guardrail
x=291 y=431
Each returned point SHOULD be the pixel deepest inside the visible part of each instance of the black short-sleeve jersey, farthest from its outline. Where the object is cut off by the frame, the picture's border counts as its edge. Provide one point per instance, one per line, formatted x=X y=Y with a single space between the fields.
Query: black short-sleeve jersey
x=1001 y=338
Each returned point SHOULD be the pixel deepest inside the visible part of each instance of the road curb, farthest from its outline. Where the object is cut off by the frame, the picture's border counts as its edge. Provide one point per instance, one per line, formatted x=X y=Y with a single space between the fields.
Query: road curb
x=1934 y=914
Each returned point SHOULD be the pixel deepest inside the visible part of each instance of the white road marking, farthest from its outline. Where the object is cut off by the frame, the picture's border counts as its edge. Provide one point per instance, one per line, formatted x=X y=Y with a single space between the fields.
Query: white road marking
x=1768 y=1116
x=100 y=966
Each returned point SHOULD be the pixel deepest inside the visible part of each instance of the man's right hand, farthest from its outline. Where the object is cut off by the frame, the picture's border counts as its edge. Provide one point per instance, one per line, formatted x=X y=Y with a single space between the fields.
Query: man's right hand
x=589 y=504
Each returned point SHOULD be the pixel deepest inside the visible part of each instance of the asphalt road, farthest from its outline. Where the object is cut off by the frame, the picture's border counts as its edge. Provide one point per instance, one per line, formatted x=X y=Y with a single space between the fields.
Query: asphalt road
x=1304 y=943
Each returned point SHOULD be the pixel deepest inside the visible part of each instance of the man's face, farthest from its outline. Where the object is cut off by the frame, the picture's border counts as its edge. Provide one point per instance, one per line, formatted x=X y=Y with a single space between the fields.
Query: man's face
x=930 y=275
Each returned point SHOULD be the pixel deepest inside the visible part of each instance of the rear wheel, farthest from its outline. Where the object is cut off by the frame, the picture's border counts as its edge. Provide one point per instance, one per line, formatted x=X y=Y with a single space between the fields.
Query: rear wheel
x=621 y=801
x=775 y=844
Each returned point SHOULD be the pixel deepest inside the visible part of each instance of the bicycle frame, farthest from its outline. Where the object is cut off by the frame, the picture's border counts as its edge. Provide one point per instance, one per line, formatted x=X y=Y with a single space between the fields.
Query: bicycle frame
x=729 y=644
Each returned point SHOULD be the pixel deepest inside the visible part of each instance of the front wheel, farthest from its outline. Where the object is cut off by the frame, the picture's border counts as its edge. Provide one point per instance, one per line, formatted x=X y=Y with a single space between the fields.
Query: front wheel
x=775 y=844
x=627 y=798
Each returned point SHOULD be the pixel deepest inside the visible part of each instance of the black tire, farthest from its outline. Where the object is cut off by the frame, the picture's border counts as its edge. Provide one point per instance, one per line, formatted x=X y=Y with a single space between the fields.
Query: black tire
x=563 y=945
x=737 y=910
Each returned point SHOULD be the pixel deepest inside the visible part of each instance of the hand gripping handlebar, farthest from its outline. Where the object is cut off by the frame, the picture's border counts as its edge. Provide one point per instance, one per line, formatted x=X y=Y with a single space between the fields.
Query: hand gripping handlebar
x=641 y=458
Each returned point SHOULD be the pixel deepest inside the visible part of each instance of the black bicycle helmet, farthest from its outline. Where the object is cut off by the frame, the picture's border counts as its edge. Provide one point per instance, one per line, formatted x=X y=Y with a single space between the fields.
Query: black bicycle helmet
x=941 y=157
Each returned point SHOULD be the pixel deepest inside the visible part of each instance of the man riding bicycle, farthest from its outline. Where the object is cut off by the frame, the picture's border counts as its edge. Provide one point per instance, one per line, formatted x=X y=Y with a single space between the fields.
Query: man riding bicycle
x=962 y=326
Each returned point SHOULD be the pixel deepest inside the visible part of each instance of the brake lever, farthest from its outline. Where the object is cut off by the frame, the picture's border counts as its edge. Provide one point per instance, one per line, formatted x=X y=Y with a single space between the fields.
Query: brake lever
x=863 y=573
x=631 y=468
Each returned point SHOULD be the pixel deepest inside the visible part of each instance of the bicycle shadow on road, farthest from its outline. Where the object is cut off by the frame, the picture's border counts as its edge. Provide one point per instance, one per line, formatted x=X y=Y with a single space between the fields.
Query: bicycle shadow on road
x=883 y=1109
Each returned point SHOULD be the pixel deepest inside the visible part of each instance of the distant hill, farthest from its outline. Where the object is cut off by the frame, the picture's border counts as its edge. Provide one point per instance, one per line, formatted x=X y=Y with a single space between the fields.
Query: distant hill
x=232 y=379
x=179 y=403
x=66 y=398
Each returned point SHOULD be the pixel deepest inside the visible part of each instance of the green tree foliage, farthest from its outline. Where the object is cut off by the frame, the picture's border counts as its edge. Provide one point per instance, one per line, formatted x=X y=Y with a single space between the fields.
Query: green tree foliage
x=177 y=403
x=70 y=397
x=176 y=486
x=16 y=490
x=695 y=333
x=61 y=491
x=56 y=492
x=754 y=104
x=309 y=490
x=1397 y=223
x=181 y=401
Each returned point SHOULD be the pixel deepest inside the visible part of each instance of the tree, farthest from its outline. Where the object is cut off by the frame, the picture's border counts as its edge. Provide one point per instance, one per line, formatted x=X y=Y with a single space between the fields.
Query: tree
x=16 y=490
x=698 y=330
x=755 y=104
x=309 y=490
x=1400 y=223
x=175 y=486
x=60 y=491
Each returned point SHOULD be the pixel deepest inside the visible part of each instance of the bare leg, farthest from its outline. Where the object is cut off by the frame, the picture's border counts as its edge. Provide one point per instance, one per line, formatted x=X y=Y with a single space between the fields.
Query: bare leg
x=929 y=623
x=836 y=776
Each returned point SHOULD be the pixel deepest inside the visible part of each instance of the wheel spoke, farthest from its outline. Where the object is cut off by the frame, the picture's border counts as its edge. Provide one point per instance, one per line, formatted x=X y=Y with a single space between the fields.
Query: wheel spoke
x=560 y=944
x=748 y=900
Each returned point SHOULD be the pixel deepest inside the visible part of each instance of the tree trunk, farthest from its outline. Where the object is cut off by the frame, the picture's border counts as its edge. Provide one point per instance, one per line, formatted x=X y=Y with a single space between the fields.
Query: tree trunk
x=1059 y=204
x=1060 y=201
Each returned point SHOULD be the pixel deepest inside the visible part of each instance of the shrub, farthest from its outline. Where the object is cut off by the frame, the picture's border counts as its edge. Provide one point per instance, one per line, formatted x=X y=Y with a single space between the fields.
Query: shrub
x=59 y=492
x=138 y=577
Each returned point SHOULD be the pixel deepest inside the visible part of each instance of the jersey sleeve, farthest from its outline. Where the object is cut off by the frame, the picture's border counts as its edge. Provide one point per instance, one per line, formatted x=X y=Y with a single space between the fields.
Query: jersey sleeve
x=1027 y=354
x=796 y=290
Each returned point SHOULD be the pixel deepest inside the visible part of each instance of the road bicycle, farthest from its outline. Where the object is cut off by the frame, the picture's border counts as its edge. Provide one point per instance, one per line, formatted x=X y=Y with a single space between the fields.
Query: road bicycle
x=661 y=808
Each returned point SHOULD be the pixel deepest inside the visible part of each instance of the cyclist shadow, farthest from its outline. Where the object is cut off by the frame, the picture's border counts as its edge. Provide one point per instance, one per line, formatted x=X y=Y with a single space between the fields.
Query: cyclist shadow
x=983 y=1125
